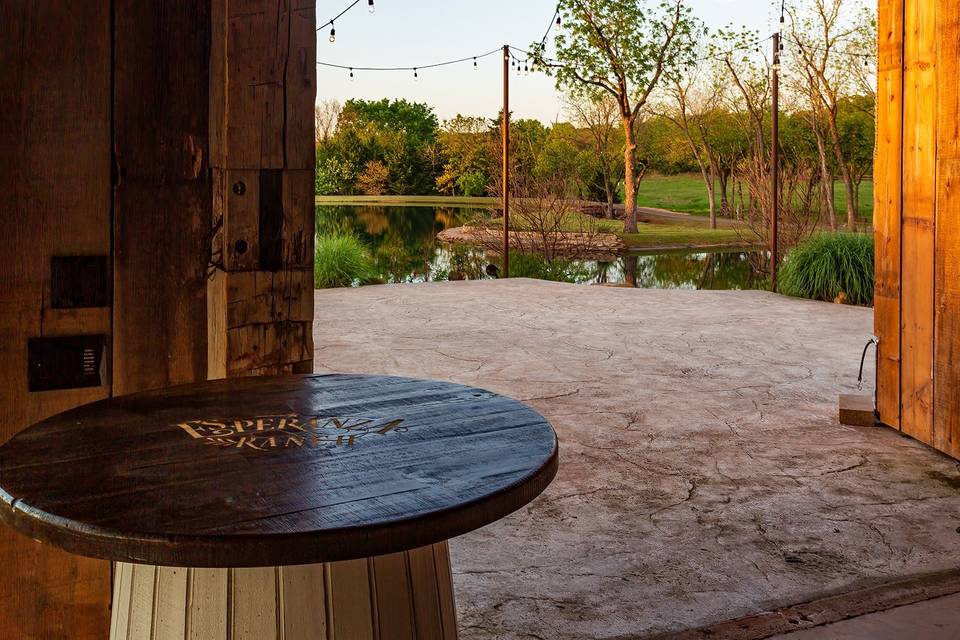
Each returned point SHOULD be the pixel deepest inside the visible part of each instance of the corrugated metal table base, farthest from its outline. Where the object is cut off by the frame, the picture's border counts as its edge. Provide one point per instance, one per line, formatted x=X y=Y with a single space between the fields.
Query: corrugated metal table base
x=407 y=595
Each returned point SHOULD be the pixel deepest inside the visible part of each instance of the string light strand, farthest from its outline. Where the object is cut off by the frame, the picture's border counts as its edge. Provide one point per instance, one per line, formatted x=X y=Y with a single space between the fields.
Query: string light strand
x=329 y=23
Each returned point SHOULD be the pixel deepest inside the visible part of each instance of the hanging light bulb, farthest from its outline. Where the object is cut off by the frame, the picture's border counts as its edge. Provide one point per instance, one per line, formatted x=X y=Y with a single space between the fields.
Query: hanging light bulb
x=474 y=64
x=415 y=76
x=351 y=74
x=526 y=71
x=558 y=16
x=370 y=6
x=333 y=33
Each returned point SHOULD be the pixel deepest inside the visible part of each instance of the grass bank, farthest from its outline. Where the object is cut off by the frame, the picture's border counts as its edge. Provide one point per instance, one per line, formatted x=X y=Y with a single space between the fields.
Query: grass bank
x=665 y=236
x=410 y=201
x=685 y=193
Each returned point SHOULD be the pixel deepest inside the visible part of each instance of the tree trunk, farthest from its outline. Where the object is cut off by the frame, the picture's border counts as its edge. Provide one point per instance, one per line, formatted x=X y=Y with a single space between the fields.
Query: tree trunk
x=844 y=171
x=851 y=199
x=826 y=181
x=629 y=183
x=608 y=185
x=712 y=198
x=723 y=176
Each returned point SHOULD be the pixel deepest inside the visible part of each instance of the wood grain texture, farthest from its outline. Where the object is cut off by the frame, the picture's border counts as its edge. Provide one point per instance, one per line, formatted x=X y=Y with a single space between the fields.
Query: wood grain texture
x=275 y=471
x=333 y=601
x=887 y=207
x=946 y=401
x=163 y=196
x=918 y=219
x=56 y=202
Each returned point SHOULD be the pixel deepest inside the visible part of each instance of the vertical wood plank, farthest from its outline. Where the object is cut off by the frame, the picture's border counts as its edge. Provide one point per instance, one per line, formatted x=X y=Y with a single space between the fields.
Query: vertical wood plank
x=122 y=587
x=162 y=199
x=142 y=590
x=947 y=322
x=208 y=604
x=887 y=200
x=301 y=88
x=253 y=600
x=394 y=600
x=351 y=608
x=426 y=593
x=448 y=605
x=919 y=205
x=256 y=40
x=304 y=611
x=170 y=611
x=55 y=154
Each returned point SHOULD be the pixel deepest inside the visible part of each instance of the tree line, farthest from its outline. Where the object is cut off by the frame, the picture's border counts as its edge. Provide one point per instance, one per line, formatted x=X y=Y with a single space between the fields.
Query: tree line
x=647 y=88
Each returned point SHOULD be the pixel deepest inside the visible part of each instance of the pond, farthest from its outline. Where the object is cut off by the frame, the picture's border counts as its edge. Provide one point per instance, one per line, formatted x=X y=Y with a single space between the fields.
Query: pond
x=402 y=241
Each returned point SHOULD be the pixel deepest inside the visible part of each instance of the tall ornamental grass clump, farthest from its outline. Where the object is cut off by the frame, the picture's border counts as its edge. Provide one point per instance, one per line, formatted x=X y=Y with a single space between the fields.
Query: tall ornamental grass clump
x=831 y=266
x=341 y=260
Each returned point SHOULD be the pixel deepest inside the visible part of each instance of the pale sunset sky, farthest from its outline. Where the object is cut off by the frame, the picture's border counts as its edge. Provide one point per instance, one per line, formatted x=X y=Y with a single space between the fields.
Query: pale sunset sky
x=420 y=32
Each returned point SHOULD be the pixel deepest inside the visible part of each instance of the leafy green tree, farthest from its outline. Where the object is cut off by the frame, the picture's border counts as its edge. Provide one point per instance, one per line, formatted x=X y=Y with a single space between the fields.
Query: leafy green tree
x=400 y=135
x=467 y=147
x=624 y=48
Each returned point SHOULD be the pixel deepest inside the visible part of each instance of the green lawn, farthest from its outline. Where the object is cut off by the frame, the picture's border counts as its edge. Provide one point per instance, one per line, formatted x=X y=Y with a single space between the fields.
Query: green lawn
x=686 y=193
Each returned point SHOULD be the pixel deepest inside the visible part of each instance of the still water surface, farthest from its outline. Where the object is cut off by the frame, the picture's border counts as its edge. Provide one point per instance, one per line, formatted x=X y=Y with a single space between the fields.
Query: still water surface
x=402 y=241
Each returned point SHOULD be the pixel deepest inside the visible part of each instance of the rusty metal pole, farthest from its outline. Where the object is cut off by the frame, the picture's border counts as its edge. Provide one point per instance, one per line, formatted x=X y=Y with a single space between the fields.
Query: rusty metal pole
x=505 y=130
x=775 y=164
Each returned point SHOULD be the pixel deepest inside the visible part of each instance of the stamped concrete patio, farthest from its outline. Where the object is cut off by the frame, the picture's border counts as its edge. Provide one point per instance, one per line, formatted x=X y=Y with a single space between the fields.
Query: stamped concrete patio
x=704 y=476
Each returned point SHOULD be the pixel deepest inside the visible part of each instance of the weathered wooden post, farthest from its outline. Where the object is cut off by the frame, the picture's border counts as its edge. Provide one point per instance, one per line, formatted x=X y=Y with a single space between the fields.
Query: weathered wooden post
x=262 y=91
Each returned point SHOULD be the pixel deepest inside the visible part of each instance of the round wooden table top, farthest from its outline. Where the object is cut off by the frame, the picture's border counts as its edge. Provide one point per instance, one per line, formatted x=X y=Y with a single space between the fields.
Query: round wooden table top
x=274 y=471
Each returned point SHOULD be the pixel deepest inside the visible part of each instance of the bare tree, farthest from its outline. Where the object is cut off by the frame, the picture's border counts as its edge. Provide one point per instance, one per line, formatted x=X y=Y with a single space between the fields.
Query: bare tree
x=799 y=207
x=325 y=118
x=599 y=115
x=693 y=103
x=820 y=37
x=747 y=72
x=803 y=85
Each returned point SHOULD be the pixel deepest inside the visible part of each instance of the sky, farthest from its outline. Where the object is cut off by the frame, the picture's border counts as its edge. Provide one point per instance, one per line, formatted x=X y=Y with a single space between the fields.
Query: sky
x=419 y=32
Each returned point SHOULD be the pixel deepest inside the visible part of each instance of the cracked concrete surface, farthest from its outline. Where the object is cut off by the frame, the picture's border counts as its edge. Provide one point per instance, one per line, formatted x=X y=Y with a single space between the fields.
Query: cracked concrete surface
x=703 y=473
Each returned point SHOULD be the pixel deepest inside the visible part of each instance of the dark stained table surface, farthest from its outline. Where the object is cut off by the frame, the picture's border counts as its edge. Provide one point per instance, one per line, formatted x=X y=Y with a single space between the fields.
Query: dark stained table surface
x=274 y=471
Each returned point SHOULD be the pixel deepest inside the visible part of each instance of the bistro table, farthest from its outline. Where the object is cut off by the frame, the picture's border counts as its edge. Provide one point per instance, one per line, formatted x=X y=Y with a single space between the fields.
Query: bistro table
x=292 y=507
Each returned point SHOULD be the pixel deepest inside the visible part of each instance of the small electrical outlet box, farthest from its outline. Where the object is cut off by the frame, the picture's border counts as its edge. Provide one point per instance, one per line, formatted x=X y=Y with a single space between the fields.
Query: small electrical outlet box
x=65 y=362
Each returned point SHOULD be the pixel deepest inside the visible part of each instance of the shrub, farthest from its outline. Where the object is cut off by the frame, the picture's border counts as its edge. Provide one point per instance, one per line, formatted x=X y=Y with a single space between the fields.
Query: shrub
x=831 y=266
x=341 y=260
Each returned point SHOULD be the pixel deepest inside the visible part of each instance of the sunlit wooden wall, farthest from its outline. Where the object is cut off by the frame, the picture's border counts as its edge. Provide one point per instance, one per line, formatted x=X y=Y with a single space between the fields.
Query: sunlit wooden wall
x=917 y=220
x=124 y=129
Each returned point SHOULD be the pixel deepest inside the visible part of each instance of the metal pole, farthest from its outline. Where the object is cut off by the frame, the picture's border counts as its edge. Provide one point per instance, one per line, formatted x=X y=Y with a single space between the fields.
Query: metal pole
x=505 y=130
x=775 y=164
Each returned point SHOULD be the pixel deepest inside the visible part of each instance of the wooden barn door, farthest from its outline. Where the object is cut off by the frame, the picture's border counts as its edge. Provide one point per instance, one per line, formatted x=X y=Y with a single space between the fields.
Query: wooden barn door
x=917 y=220
x=130 y=259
